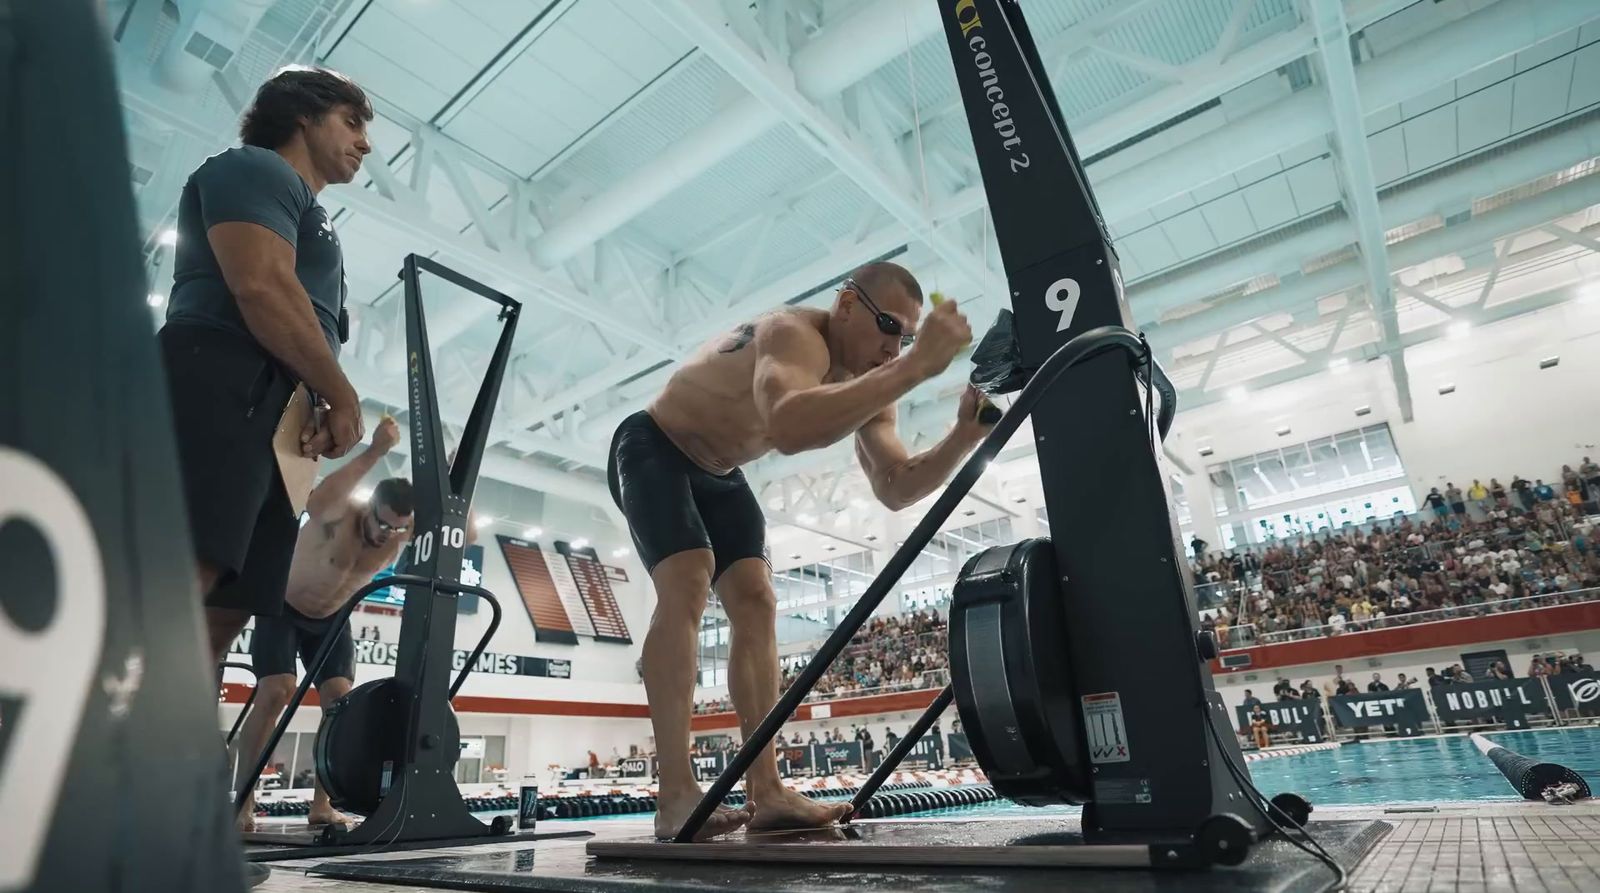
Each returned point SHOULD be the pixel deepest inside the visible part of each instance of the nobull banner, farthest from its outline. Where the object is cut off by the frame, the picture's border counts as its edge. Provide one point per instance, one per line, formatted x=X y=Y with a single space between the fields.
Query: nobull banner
x=1303 y=717
x=1507 y=700
x=1405 y=710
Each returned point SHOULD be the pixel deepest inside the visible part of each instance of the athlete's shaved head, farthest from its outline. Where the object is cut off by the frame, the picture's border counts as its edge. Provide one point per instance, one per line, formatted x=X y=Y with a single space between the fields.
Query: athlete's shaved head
x=882 y=278
x=858 y=337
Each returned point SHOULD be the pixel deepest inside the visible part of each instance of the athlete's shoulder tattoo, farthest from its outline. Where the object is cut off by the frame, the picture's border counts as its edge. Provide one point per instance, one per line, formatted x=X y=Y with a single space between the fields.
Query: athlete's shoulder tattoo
x=739 y=339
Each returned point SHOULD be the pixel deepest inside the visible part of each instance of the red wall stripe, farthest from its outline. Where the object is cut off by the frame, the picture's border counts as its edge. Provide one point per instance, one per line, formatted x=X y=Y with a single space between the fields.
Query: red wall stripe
x=1550 y=621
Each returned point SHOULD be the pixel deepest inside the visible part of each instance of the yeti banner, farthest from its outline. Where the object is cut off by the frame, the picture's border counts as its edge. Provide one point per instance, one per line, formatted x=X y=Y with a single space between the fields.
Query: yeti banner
x=1303 y=717
x=1507 y=700
x=1405 y=710
x=709 y=765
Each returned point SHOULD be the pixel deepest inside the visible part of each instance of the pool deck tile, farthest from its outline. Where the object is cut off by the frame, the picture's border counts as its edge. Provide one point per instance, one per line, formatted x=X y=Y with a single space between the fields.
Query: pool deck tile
x=1486 y=847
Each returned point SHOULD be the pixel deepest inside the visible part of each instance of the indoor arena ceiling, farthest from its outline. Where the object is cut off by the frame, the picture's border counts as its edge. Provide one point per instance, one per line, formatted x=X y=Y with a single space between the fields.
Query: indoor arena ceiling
x=1289 y=183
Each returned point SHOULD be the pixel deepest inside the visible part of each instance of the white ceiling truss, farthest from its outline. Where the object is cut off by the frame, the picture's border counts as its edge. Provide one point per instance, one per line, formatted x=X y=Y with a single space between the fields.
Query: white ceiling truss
x=1278 y=176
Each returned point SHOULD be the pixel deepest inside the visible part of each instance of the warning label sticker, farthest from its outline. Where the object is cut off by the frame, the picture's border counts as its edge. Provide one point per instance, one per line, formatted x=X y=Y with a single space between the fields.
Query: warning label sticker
x=1102 y=723
x=1122 y=790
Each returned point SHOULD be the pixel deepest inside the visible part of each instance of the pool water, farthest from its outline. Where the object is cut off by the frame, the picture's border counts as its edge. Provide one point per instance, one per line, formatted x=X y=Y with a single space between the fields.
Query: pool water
x=1393 y=771
x=1430 y=769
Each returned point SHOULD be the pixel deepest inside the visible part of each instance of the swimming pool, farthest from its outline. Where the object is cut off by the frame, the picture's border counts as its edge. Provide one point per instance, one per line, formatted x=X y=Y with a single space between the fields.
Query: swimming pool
x=1392 y=771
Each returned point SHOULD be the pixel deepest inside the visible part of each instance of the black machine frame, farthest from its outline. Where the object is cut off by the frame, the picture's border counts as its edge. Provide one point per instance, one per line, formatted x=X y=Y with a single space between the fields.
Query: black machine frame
x=1177 y=788
x=420 y=800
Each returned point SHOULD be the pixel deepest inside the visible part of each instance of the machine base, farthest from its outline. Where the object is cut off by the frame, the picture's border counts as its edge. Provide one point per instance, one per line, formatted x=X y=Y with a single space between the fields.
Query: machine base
x=997 y=843
x=299 y=842
x=824 y=865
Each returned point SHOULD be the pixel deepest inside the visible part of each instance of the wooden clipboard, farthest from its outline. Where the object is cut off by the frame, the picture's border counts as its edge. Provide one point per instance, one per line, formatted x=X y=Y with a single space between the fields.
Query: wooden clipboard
x=298 y=472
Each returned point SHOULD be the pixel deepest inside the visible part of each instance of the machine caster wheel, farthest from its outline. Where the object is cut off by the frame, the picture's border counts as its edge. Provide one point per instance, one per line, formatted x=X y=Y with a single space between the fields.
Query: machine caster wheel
x=1296 y=807
x=1225 y=839
x=500 y=826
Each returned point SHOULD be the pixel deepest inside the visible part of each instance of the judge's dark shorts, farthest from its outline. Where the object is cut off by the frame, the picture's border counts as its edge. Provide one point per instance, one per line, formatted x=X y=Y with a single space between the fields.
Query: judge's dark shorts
x=673 y=505
x=227 y=396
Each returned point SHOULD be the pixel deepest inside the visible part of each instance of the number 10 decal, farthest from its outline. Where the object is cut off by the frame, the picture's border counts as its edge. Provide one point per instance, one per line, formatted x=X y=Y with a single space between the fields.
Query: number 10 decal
x=453 y=537
x=52 y=669
x=1062 y=297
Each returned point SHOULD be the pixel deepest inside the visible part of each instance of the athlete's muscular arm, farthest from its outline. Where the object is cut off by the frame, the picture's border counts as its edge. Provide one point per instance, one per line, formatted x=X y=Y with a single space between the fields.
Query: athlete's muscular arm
x=332 y=496
x=802 y=413
x=259 y=268
x=900 y=479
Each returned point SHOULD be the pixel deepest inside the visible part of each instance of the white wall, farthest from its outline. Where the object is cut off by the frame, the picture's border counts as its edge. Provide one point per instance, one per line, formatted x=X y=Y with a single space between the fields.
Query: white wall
x=1507 y=416
x=537 y=741
x=900 y=722
x=532 y=742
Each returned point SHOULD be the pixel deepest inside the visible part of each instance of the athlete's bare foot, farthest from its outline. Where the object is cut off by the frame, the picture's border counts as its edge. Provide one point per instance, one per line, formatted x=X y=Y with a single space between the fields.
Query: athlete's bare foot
x=245 y=822
x=783 y=810
x=673 y=811
x=329 y=816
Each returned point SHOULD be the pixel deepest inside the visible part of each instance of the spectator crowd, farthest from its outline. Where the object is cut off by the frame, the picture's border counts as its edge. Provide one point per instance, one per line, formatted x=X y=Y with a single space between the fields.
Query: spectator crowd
x=901 y=653
x=1469 y=553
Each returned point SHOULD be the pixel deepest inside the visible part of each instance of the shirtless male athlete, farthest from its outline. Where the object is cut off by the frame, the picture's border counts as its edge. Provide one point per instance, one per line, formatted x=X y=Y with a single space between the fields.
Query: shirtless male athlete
x=792 y=380
x=338 y=551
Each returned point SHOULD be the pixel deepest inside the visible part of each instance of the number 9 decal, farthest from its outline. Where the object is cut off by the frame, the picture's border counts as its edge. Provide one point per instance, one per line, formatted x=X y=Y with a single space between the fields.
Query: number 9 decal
x=50 y=670
x=1062 y=296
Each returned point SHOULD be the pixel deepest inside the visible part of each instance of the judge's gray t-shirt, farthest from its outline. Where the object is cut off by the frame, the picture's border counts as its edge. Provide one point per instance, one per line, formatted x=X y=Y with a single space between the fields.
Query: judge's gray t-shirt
x=250 y=184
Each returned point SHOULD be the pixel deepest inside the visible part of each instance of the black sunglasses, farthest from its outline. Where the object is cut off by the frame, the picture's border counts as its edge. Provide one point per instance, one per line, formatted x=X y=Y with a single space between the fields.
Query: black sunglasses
x=887 y=324
x=385 y=526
